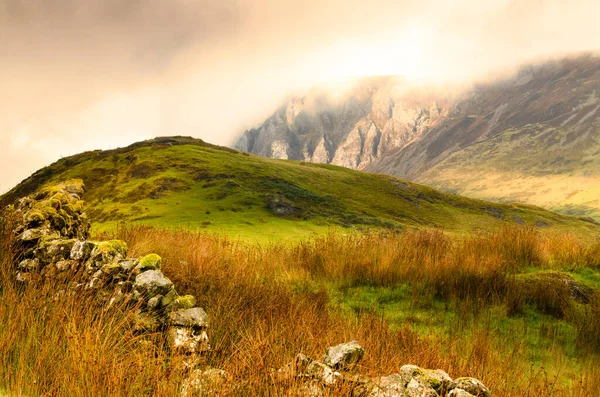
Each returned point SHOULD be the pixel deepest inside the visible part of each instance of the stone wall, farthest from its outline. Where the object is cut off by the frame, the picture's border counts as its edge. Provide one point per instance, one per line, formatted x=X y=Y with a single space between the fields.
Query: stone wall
x=53 y=243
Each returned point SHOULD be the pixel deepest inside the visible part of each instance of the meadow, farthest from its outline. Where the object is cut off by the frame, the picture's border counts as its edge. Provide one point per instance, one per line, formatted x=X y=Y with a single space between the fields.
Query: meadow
x=516 y=308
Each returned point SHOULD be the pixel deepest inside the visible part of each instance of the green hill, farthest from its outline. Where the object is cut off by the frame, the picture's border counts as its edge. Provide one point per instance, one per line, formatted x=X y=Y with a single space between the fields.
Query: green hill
x=185 y=182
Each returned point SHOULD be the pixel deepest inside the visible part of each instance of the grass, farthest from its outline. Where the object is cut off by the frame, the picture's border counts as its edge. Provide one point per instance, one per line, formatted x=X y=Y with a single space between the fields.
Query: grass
x=544 y=165
x=186 y=183
x=471 y=306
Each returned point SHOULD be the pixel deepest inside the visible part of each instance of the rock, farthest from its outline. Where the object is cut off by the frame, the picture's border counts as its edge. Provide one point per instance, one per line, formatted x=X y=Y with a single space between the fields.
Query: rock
x=459 y=393
x=195 y=317
x=417 y=388
x=430 y=378
x=82 y=250
x=322 y=372
x=23 y=277
x=389 y=386
x=56 y=250
x=75 y=189
x=65 y=265
x=150 y=284
x=154 y=302
x=149 y=262
x=29 y=265
x=444 y=380
x=107 y=252
x=181 y=302
x=473 y=386
x=128 y=264
x=187 y=333
x=31 y=235
x=188 y=340
x=344 y=356
x=208 y=382
x=300 y=363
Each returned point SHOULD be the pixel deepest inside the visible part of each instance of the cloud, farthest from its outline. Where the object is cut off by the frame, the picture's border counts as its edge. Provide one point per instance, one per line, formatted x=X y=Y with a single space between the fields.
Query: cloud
x=87 y=74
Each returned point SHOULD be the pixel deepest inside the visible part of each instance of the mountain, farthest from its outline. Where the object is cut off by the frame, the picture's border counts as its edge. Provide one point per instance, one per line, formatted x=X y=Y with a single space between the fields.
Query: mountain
x=371 y=117
x=533 y=137
x=185 y=182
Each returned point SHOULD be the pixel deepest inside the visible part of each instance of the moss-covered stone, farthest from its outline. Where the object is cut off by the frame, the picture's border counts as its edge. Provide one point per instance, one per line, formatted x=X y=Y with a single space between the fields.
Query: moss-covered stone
x=35 y=217
x=183 y=302
x=55 y=250
x=113 y=247
x=150 y=262
x=111 y=269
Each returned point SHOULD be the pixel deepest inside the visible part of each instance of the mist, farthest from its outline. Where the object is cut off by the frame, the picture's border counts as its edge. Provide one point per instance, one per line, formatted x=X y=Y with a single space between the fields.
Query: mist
x=96 y=74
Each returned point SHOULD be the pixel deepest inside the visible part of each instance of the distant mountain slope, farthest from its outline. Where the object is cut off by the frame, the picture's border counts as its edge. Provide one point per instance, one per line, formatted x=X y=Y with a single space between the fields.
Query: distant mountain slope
x=185 y=182
x=369 y=118
x=532 y=138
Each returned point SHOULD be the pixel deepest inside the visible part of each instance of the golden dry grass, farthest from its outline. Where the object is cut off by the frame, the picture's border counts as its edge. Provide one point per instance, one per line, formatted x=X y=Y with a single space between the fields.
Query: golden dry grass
x=269 y=303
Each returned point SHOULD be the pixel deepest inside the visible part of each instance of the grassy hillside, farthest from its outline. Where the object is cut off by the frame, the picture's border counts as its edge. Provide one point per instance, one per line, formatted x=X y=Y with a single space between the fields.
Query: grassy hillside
x=564 y=177
x=532 y=138
x=184 y=182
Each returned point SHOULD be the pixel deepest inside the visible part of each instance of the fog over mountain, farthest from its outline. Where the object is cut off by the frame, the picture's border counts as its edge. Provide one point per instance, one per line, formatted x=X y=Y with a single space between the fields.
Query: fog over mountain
x=92 y=74
x=533 y=137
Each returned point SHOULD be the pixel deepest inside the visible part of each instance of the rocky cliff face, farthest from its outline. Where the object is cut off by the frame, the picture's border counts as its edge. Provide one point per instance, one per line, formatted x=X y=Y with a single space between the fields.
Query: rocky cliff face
x=372 y=117
x=533 y=137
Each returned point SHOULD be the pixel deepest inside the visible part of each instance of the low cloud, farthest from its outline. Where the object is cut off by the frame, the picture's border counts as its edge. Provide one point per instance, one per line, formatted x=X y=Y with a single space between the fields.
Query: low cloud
x=93 y=74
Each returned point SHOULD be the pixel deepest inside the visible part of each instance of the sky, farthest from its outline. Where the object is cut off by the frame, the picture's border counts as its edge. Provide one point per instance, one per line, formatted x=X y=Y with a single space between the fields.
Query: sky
x=79 y=75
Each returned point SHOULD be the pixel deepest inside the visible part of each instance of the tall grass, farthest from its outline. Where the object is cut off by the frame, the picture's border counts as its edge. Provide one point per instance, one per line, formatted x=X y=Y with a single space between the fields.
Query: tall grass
x=268 y=303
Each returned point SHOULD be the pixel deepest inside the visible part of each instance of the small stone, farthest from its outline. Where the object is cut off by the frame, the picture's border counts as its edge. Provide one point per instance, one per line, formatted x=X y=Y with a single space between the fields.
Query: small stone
x=31 y=235
x=81 y=250
x=23 y=277
x=300 y=363
x=417 y=388
x=344 y=356
x=55 y=250
x=64 y=265
x=107 y=252
x=155 y=302
x=182 y=302
x=29 y=265
x=128 y=264
x=322 y=372
x=195 y=317
x=188 y=340
x=473 y=386
x=149 y=262
x=151 y=283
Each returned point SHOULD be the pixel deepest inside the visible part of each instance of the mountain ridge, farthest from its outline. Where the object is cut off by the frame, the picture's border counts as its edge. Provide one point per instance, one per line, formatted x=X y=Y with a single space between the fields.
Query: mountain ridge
x=183 y=182
x=552 y=106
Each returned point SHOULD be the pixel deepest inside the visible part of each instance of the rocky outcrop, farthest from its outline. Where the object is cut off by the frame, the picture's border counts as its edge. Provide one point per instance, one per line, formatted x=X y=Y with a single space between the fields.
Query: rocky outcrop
x=480 y=141
x=373 y=117
x=336 y=372
x=52 y=242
